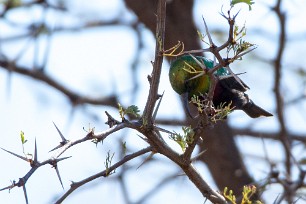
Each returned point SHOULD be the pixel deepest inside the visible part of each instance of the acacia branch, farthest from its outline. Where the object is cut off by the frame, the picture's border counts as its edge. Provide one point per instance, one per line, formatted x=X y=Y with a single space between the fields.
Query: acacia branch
x=104 y=173
x=153 y=135
x=155 y=76
x=215 y=50
x=53 y=160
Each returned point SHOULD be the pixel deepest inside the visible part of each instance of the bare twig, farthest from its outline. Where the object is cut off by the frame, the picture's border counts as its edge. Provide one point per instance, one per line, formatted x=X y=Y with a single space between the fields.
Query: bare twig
x=35 y=164
x=104 y=173
x=155 y=76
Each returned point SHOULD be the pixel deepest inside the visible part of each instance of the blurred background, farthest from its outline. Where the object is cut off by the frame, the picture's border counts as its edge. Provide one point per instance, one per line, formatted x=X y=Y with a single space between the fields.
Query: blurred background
x=68 y=62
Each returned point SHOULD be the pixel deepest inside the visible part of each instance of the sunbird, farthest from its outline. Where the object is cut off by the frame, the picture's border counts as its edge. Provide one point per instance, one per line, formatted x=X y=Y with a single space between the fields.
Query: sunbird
x=186 y=79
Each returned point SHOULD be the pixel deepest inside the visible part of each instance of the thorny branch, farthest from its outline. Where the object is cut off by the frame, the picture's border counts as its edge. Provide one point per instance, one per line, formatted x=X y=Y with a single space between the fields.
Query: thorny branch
x=76 y=185
x=154 y=137
x=155 y=76
x=35 y=164
x=215 y=50
x=146 y=124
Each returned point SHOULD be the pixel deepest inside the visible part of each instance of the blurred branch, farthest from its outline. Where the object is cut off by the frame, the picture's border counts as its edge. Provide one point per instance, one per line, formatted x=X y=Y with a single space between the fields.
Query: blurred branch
x=158 y=187
x=75 y=99
x=277 y=89
x=136 y=60
x=34 y=29
x=242 y=131
x=267 y=135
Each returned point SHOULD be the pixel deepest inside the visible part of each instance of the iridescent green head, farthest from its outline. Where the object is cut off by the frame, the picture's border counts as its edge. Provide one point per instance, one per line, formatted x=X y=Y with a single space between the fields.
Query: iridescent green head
x=182 y=71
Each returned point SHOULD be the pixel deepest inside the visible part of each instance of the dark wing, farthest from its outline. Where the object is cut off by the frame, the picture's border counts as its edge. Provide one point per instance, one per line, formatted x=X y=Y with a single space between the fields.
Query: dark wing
x=229 y=83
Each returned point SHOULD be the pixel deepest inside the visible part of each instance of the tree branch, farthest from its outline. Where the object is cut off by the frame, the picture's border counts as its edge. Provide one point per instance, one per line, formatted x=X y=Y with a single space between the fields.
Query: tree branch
x=155 y=76
x=104 y=173
x=74 y=98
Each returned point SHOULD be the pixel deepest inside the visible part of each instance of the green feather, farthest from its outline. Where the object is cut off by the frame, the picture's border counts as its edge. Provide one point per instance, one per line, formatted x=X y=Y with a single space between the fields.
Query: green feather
x=182 y=71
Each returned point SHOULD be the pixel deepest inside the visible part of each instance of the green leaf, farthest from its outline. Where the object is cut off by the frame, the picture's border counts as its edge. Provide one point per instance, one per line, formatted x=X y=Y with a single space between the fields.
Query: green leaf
x=248 y=2
x=132 y=110
x=185 y=139
x=23 y=140
x=188 y=134
x=108 y=163
x=179 y=139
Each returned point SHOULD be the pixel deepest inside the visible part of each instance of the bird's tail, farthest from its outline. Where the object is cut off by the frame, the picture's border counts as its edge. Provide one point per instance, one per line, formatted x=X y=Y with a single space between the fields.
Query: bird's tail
x=255 y=111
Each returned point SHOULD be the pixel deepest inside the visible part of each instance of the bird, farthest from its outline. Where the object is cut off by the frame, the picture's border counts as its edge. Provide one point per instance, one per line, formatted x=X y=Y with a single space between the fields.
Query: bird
x=187 y=78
